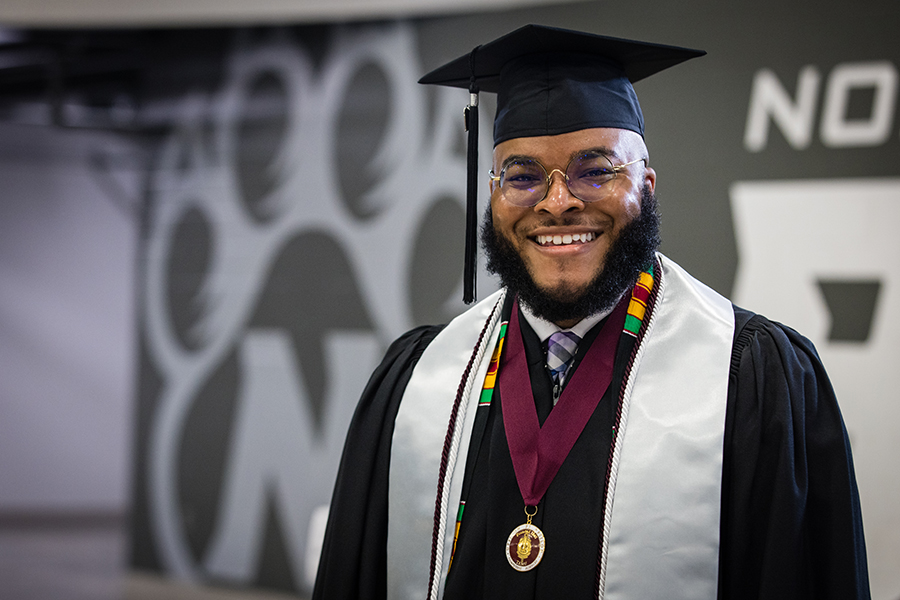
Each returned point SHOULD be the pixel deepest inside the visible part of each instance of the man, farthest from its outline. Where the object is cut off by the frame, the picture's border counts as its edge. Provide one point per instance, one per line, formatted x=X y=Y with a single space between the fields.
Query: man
x=605 y=425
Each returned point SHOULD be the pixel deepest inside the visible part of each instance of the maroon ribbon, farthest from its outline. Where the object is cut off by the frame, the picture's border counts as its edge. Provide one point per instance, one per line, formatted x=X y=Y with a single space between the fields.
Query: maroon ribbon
x=538 y=452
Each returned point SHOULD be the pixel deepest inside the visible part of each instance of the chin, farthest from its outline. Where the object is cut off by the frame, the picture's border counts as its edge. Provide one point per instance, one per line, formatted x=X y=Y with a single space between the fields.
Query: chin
x=567 y=282
x=563 y=290
x=567 y=291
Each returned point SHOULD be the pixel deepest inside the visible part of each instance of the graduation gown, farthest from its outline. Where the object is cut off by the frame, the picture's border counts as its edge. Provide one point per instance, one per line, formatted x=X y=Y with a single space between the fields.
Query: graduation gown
x=790 y=524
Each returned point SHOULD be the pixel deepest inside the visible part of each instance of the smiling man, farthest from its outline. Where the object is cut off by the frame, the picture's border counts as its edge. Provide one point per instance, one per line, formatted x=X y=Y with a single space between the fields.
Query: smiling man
x=604 y=426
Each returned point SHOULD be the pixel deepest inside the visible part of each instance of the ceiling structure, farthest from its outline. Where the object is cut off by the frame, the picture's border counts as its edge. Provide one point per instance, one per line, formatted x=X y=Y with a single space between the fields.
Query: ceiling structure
x=174 y=13
x=80 y=63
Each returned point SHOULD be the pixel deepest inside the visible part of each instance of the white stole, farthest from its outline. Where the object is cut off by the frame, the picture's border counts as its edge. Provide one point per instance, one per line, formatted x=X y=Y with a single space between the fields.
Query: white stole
x=662 y=529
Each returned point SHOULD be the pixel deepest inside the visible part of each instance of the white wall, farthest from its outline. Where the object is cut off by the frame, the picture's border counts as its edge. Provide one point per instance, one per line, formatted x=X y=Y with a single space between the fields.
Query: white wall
x=66 y=324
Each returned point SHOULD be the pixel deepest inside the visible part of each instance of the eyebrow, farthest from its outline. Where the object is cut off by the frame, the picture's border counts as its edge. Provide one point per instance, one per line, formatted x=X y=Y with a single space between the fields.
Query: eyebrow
x=516 y=157
x=604 y=150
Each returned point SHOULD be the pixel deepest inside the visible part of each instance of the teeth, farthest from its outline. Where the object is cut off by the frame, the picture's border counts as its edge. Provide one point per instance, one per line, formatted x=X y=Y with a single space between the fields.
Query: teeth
x=560 y=240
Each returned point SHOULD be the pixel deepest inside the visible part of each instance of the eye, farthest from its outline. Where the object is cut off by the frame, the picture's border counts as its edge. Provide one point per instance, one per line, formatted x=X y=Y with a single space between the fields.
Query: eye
x=522 y=174
x=597 y=172
x=593 y=170
x=522 y=177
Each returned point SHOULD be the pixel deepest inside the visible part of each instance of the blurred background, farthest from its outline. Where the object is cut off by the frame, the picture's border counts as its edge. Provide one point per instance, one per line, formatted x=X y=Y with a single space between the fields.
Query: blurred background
x=215 y=216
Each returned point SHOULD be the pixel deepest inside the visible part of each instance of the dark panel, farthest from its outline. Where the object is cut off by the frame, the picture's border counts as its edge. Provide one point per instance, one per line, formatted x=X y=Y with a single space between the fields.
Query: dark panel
x=275 y=570
x=310 y=290
x=852 y=306
x=361 y=126
x=433 y=280
x=203 y=451
x=260 y=134
x=186 y=267
x=149 y=386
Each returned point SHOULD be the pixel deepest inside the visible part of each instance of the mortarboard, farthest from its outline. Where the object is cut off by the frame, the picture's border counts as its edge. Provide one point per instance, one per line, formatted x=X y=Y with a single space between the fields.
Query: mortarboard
x=550 y=81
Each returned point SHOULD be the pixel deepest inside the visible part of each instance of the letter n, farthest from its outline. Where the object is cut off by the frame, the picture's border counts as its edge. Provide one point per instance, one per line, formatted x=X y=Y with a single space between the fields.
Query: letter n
x=794 y=117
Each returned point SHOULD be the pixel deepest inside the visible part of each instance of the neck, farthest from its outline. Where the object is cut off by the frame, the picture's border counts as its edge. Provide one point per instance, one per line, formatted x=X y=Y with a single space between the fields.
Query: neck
x=568 y=324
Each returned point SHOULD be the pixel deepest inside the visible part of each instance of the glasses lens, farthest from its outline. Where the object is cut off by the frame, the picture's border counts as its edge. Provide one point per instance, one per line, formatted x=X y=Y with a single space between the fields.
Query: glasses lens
x=589 y=175
x=524 y=182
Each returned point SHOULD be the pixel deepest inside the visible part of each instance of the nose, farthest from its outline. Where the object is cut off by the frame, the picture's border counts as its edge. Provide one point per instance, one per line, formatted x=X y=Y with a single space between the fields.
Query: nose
x=558 y=199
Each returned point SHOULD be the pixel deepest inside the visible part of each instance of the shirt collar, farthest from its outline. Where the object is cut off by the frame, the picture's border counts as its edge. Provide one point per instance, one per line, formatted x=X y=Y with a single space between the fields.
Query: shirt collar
x=544 y=329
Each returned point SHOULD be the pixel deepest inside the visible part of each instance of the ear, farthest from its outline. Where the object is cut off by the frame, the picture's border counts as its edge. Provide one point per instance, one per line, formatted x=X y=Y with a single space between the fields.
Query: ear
x=650 y=178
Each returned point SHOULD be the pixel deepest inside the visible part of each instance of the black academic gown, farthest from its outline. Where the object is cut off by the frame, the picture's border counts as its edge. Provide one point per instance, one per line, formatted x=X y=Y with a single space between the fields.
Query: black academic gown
x=790 y=520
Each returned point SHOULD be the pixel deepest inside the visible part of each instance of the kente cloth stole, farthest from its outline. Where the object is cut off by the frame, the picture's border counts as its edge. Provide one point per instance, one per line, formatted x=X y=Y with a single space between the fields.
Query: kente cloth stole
x=633 y=320
x=660 y=535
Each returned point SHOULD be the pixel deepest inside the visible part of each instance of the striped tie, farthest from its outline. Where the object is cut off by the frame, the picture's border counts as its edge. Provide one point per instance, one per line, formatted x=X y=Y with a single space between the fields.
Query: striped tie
x=561 y=349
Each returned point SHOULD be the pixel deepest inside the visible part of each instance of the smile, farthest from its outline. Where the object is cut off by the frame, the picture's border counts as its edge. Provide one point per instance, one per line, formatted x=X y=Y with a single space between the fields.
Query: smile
x=565 y=239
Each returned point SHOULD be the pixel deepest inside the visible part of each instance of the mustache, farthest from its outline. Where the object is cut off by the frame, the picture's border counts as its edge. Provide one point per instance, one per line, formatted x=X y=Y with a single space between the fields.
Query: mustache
x=570 y=221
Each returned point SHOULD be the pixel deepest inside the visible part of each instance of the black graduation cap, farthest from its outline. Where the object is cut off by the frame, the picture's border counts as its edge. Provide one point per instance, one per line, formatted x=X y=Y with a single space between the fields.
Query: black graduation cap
x=550 y=81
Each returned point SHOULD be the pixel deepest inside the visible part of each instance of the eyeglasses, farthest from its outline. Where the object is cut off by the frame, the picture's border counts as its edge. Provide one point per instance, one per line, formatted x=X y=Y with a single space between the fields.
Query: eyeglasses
x=525 y=182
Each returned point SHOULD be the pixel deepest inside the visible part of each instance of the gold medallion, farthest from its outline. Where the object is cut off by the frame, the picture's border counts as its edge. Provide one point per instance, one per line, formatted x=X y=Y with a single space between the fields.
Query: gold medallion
x=525 y=545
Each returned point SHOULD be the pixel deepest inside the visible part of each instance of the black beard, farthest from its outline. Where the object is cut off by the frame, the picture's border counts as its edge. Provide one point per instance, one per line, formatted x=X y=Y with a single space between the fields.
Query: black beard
x=630 y=253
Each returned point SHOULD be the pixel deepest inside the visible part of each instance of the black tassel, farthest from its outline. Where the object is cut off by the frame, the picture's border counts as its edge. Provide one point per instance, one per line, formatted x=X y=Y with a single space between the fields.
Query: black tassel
x=471 y=117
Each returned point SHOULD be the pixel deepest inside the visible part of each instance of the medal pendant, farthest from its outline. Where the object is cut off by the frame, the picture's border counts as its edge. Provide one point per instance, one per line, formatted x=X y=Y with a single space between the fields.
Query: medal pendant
x=525 y=547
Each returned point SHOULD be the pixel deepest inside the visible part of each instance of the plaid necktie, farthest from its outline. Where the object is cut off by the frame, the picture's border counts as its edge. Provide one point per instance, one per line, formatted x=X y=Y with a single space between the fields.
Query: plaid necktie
x=561 y=347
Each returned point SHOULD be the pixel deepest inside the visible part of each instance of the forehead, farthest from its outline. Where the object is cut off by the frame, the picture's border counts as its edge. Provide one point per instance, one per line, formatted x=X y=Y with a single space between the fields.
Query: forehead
x=558 y=149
